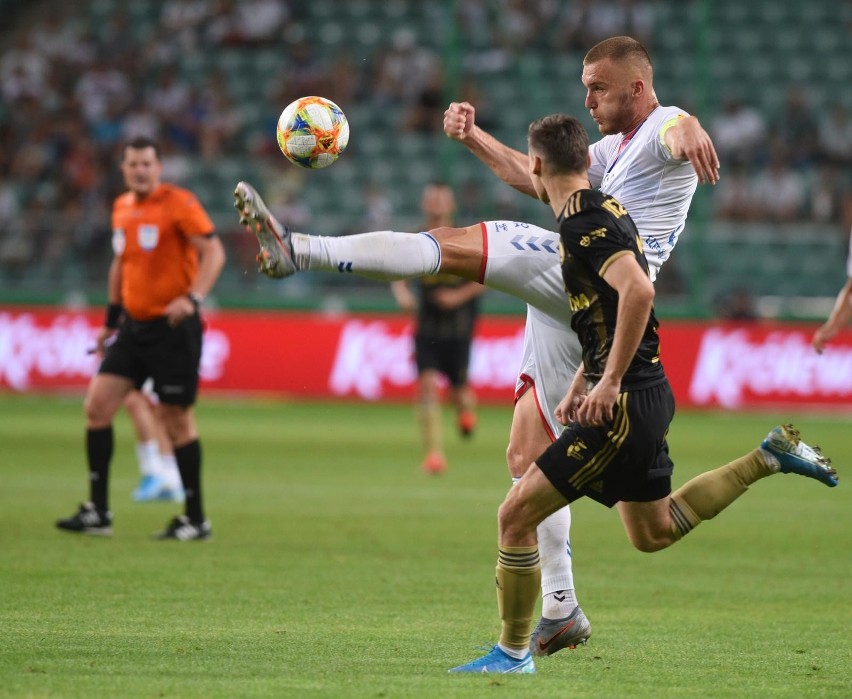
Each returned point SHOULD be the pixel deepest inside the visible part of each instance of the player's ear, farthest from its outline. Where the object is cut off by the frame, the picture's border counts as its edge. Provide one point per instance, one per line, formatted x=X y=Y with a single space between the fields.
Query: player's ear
x=535 y=165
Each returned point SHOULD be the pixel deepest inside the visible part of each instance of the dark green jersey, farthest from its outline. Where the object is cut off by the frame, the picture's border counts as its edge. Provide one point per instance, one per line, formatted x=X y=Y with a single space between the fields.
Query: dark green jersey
x=595 y=231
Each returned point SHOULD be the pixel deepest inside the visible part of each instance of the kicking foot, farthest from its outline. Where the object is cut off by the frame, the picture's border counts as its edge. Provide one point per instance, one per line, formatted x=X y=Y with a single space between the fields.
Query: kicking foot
x=794 y=456
x=275 y=258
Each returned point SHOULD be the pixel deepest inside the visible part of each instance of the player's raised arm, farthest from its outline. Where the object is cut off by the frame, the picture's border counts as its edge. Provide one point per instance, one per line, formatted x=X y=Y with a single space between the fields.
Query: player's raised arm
x=508 y=164
x=687 y=140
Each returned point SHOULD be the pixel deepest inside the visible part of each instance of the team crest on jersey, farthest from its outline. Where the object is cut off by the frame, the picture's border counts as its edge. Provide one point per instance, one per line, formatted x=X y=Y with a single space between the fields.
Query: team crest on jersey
x=586 y=240
x=149 y=234
x=576 y=450
x=118 y=241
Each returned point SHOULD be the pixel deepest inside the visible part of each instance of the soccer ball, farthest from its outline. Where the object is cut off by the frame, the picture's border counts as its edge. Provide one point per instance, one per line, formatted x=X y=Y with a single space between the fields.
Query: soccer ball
x=312 y=132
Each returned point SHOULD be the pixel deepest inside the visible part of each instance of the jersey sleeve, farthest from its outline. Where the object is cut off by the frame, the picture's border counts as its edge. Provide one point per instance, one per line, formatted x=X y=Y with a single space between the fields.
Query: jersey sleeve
x=599 y=153
x=194 y=220
x=670 y=117
x=592 y=237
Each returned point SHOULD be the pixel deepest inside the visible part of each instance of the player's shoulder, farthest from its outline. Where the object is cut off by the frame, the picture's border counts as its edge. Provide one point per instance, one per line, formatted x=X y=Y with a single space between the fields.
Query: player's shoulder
x=590 y=202
x=169 y=190
x=663 y=115
x=124 y=201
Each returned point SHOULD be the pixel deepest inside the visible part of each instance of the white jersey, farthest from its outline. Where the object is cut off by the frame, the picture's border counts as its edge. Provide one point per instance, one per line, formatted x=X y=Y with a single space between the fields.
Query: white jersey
x=655 y=188
x=522 y=259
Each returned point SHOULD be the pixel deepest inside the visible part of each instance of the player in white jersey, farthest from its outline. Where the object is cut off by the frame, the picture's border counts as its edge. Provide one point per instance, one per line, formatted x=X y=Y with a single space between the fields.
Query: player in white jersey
x=840 y=314
x=656 y=173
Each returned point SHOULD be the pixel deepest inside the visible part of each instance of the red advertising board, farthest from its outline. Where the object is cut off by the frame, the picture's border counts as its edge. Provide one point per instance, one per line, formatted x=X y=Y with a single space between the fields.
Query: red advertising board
x=368 y=357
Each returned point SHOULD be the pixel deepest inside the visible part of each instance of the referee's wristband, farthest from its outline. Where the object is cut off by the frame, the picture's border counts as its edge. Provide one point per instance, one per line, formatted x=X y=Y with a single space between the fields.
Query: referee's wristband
x=113 y=315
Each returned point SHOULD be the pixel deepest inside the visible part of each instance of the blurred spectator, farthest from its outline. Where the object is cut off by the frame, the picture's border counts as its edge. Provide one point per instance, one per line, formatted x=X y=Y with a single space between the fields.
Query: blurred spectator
x=247 y=22
x=827 y=194
x=305 y=75
x=796 y=129
x=739 y=134
x=100 y=86
x=404 y=69
x=737 y=306
x=378 y=209
x=23 y=70
x=426 y=114
x=779 y=191
x=732 y=198
x=584 y=23
x=834 y=139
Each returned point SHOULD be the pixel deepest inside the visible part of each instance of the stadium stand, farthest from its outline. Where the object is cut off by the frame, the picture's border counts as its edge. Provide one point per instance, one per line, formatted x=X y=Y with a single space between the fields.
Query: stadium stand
x=66 y=104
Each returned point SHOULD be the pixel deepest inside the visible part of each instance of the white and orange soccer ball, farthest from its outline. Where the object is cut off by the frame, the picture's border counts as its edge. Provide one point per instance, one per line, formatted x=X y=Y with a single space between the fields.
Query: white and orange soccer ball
x=312 y=132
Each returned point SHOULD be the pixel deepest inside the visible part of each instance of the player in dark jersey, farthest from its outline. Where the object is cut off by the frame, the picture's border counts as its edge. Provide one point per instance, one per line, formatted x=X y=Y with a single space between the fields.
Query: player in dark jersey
x=618 y=408
x=446 y=308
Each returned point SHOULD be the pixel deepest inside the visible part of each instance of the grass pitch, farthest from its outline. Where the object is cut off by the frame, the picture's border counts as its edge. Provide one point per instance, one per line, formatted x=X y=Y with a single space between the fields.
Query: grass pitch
x=338 y=569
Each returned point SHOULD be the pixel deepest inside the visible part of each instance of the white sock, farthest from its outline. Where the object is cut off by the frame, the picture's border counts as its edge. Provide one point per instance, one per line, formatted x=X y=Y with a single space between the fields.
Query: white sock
x=169 y=472
x=558 y=598
x=382 y=255
x=557 y=577
x=514 y=652
x=148 y=458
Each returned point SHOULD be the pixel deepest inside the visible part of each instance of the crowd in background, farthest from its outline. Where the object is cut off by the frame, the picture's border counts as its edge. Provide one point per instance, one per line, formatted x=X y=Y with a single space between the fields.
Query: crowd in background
x=71 y=89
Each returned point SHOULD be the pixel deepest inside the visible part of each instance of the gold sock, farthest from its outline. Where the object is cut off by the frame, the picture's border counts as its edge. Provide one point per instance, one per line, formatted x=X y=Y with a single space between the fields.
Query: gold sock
x=708 y=494
x=430 y=427
x=518 y=588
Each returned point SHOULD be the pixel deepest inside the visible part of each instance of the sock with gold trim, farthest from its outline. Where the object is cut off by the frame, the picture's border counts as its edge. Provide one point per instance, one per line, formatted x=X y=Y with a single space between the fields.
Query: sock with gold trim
x=518 y=583
x=708 y=494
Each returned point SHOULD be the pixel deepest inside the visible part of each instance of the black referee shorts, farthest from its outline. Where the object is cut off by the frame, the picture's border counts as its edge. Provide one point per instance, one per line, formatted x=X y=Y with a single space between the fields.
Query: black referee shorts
x=627 y=460
x=169 y=355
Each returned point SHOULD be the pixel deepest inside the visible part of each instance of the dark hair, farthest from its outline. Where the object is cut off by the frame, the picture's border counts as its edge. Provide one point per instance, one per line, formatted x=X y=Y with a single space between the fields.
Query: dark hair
x=561 y=142
x=142 y=142
x=619 y=48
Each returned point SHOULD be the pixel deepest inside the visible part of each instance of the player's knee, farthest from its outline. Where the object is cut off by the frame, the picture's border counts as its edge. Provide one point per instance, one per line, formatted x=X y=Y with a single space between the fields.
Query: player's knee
x=514 y=525
x=97 y=411
x=517 y=460
x=648 y=542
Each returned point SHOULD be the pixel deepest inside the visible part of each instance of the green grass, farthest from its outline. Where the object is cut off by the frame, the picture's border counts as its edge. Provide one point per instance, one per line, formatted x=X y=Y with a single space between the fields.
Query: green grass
x=338 y=569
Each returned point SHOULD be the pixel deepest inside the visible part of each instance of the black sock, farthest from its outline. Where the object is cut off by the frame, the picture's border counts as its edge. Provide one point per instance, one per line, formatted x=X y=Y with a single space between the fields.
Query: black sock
x=189 y=464
x=99 y=445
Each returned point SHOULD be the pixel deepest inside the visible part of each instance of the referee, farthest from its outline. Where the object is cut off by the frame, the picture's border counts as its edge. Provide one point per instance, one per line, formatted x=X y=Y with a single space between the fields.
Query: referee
x=166 y=260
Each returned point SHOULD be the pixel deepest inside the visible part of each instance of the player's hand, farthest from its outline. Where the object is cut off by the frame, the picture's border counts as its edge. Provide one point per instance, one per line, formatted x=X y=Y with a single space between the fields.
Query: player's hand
x=689 y=141
x=596 y=410
x=821 y=337
x=566 y=411
x=458 y=120
x=179 y=310
x=102 y=339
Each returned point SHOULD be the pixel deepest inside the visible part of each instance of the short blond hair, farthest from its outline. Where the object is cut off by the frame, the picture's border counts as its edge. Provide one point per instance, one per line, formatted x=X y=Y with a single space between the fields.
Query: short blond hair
x=621 y=49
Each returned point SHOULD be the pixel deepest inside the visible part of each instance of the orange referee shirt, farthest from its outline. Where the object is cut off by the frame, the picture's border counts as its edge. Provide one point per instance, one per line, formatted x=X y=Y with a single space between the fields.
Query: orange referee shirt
x=151 y=238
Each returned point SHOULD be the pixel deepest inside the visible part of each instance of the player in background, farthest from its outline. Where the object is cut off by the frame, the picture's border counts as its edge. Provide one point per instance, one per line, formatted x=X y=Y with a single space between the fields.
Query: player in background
x=446 y=307
x=160 y=477
x=841 y=314
x=651 y=157
x=166 y=259
x=618 y=407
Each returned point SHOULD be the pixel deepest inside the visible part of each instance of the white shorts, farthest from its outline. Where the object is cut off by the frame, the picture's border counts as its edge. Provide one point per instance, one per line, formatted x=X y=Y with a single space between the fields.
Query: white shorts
x=522 y=260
